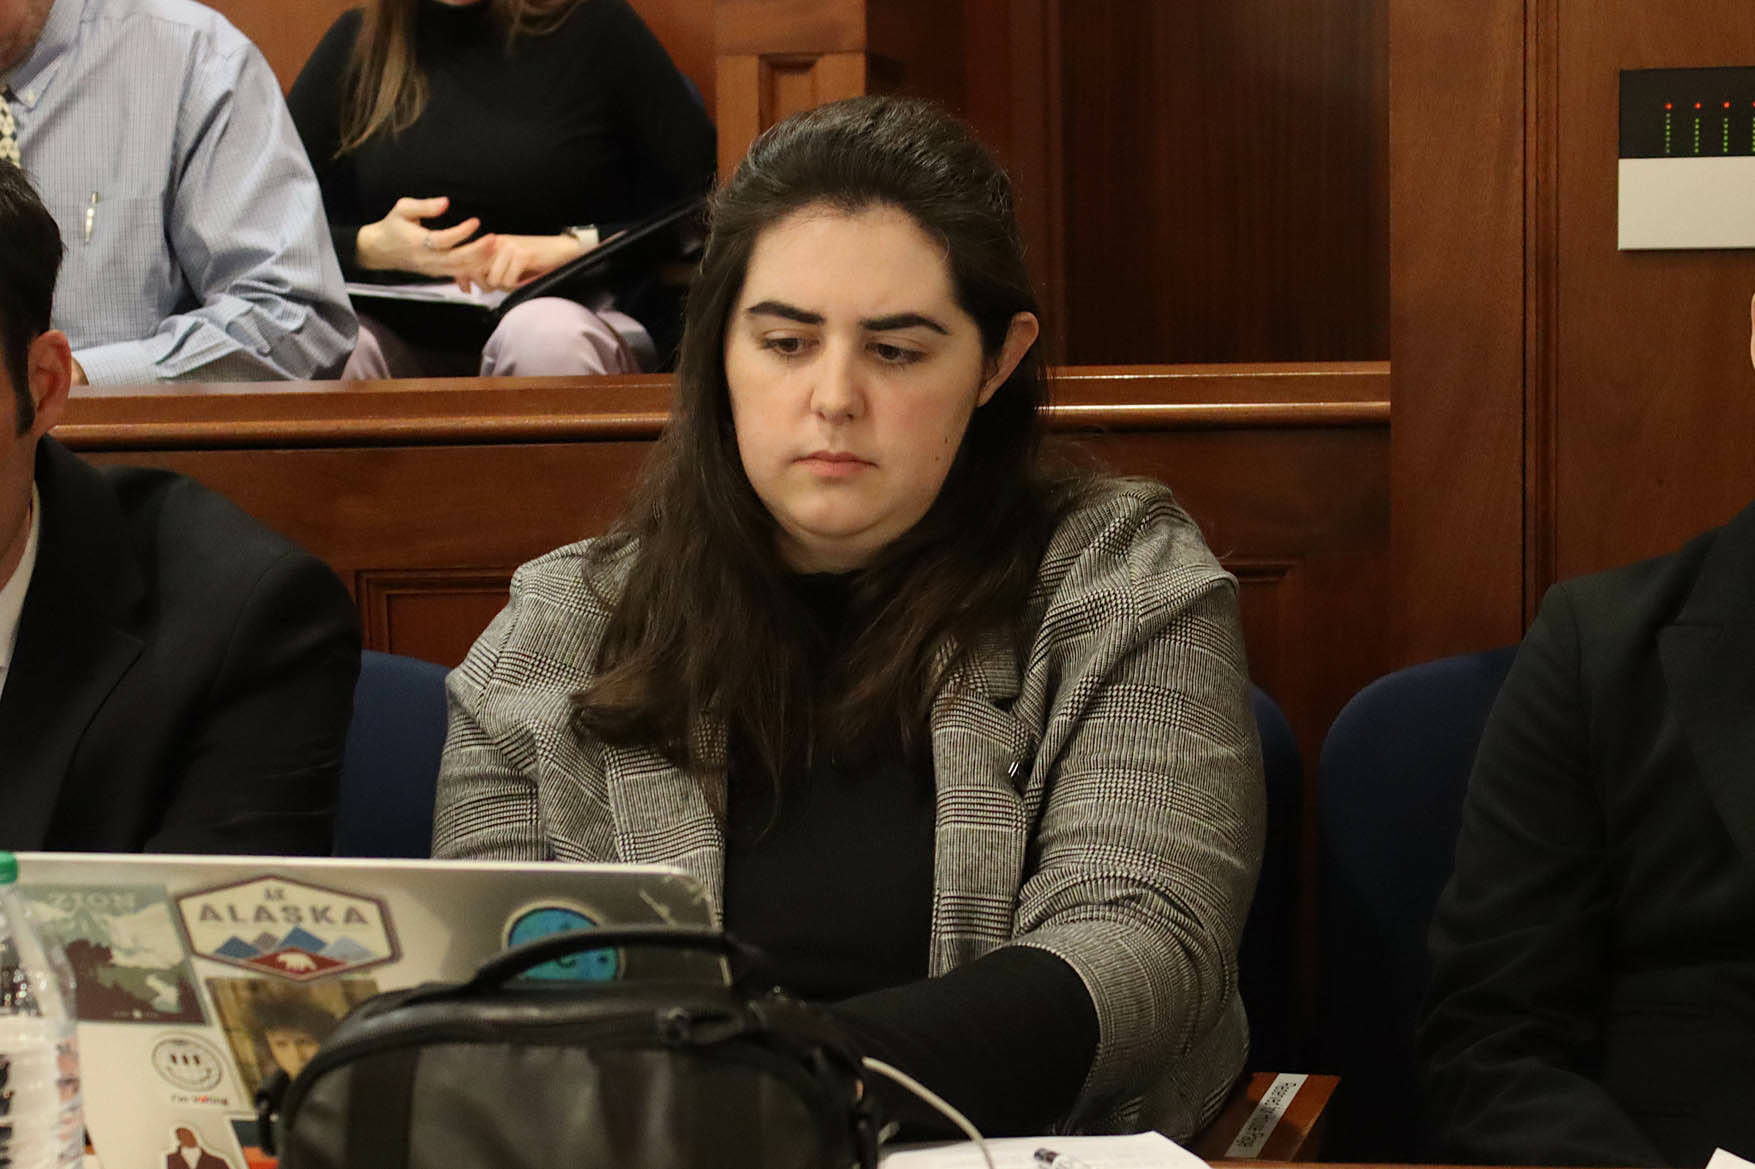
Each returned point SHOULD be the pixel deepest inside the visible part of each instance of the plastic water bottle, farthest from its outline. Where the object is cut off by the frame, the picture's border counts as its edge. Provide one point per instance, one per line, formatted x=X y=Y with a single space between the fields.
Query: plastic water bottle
x=40 y=1124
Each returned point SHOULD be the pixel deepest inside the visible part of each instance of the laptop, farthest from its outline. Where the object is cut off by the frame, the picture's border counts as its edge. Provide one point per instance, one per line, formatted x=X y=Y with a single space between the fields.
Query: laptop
x=198 y=976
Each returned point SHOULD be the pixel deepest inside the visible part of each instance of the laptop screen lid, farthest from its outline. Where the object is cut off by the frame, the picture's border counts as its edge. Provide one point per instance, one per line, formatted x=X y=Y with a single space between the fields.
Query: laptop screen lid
x=198 y=976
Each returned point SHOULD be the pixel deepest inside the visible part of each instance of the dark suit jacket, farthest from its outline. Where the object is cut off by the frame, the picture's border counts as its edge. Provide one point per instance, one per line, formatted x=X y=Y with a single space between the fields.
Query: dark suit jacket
x=182 y=679
x=1593 y=995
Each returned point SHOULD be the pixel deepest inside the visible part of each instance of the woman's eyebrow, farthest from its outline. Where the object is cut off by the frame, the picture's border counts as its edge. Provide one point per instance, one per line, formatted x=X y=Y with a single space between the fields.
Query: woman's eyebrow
x=897 y=321
x=779 y=308
x=889 y=324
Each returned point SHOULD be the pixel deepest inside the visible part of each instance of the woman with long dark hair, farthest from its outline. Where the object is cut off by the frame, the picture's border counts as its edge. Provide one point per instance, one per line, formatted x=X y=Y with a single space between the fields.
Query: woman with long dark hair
x=489 y=142
x=963 y=744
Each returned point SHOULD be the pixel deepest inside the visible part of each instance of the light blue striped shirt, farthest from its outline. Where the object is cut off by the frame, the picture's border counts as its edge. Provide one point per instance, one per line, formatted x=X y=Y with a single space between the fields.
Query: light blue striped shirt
x=196 y=243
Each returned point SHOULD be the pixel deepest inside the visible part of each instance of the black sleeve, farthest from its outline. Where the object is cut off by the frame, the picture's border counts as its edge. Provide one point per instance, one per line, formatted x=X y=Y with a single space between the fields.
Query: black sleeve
x=666 y=123
x=315 y=102
x=1007 y=1039
x=259 y=773
x=1521 y=933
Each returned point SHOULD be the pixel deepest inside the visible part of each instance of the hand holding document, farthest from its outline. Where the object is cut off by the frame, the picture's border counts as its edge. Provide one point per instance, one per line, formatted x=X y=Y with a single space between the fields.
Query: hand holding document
x=1146 y=1150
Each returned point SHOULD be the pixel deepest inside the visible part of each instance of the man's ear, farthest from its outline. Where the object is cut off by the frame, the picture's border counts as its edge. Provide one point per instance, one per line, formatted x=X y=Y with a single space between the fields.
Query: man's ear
x=49 y=367
x=1019 y=336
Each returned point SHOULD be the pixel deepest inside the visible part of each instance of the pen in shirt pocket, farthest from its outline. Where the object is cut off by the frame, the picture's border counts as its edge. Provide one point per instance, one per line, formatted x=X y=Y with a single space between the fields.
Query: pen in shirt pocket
x=90 y=215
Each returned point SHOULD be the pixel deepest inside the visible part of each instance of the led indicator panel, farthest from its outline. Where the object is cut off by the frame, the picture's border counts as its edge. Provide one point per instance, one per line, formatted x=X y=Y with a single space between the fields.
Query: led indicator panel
x=1687 y=113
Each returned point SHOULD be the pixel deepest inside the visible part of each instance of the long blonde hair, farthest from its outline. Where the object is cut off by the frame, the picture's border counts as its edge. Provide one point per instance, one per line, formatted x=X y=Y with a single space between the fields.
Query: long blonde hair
x=384 y=85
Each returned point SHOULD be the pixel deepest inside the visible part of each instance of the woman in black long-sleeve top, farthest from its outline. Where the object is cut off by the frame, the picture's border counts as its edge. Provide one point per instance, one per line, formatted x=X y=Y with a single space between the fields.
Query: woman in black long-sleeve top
x=490 y=141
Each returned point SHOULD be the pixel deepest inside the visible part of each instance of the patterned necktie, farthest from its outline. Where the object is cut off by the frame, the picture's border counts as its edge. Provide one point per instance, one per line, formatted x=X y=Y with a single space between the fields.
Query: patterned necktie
x=8 y=129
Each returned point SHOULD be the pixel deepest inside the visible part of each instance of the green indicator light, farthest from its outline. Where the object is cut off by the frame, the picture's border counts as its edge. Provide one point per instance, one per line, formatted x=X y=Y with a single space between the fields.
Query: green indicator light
x=1696 y=134
x=1667 y=135
x=1727 y=148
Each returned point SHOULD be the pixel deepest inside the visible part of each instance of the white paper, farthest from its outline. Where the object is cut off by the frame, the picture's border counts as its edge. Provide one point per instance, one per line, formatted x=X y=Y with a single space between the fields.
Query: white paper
x=1724 y=1160
x=1146 y=1150
x=429 y=292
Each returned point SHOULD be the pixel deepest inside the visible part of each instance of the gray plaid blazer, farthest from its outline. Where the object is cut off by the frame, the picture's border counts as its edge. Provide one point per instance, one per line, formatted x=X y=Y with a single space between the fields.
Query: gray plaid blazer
x=1101 y=799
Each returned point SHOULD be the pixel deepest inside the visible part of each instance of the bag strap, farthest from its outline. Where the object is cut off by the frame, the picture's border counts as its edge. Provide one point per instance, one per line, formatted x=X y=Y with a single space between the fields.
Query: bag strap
x=502 y=968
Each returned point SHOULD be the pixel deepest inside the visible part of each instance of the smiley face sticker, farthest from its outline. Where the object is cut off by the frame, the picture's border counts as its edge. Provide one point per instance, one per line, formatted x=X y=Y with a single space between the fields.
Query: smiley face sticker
x=545 y=920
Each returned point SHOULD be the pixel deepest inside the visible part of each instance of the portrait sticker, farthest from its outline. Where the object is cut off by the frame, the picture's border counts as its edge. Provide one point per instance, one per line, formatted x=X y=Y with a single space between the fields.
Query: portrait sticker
x=288 y=929
x=272 y=1024
x=199 y=1143
x=127 y=956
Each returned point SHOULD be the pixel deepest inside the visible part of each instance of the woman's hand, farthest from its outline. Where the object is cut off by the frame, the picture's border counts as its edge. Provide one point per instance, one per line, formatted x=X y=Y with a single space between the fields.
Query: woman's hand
x=400 y=242
x=513 y=259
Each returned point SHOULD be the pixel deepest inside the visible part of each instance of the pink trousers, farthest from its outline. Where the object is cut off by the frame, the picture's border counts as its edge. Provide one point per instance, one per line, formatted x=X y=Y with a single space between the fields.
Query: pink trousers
x=544 y=336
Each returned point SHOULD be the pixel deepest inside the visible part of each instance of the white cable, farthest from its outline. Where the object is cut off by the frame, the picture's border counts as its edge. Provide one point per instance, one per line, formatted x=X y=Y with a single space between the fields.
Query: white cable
x=935 y=1100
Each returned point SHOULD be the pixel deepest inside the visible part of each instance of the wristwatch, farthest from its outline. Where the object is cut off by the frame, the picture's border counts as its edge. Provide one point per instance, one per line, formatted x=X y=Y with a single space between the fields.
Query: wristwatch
x=586 y=235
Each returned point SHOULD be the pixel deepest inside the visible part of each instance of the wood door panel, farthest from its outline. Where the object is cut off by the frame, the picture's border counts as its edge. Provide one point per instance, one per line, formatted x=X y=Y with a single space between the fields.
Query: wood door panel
x=1225 y=174
x=1653 y=402
x=435 y=615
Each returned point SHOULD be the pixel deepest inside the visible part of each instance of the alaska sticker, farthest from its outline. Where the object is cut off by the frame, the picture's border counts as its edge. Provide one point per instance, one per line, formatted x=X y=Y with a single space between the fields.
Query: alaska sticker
x=290 y=929
x=121 y=940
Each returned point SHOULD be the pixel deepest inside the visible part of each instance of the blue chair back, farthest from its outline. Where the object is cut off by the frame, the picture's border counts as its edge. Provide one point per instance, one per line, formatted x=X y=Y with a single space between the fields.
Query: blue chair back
x=1268 y=958
x=1394 y=769
x=392 y=762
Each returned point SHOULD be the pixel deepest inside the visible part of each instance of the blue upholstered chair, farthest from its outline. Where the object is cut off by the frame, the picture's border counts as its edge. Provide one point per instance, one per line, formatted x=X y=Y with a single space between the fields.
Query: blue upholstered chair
x=1267 y=957
x=392 y=760
x=1394 y=769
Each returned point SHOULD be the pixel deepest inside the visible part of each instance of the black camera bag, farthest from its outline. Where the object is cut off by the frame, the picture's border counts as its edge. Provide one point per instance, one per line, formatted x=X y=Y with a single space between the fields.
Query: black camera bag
x=492 y=1073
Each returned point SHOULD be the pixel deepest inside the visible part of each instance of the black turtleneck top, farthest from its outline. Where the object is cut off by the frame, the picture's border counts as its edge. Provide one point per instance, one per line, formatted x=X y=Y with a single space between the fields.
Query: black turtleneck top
x=587 y=124
x=834 y=882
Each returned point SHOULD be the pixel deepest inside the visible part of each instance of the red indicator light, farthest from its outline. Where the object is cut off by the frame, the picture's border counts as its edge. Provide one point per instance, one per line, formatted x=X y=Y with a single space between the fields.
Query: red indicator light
x=1727 y=105
x=1668 y=106
x=1696 y=105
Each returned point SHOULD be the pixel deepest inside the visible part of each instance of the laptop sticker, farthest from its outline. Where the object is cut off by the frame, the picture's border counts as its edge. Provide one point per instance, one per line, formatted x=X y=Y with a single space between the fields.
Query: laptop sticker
x=542 y=920
x=191 y=1065
x=201 y=1144
x=126 y=953
x=289 y=929
x=271 y=1024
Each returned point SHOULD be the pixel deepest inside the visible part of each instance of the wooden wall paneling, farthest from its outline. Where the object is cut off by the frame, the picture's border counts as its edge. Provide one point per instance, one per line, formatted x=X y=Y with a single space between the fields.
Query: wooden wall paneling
x=755 y=91
x=1653 y=397
x=685 y=28
x=1012 y=98
x=285 y=30
x=775 y=58
x=1456 y=323
x=426 y=537
x=1225 y=180
x=431 y=615
x=1541 y=291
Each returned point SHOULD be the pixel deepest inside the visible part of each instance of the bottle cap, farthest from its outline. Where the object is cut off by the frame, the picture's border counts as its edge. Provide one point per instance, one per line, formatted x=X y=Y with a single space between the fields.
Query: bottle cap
x=8 y=868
